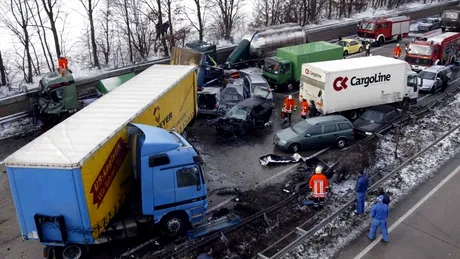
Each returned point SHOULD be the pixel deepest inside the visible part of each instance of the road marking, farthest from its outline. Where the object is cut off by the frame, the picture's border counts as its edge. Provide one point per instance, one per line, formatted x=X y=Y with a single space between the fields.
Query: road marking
x=286 y=170
x=409 y=212
x=450 y=83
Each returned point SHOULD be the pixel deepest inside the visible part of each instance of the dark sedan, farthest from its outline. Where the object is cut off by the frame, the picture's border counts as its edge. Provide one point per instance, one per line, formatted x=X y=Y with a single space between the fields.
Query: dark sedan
x=375 y=119
x=429 y=24
x=217 y=101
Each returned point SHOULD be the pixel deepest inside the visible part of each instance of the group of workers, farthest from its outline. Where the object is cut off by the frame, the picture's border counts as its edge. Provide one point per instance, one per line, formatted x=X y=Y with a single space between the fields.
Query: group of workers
x=290 y=105
x=319 y=186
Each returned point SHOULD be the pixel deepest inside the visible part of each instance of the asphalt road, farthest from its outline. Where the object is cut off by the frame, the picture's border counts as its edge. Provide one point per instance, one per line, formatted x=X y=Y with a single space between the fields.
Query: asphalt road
x=230 y=163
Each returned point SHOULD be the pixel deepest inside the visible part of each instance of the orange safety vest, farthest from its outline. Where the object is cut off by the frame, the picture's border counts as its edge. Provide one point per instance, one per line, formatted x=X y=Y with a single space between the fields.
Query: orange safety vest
x=397 y=52
x=289 y=105
x=319 y=183
x=304 y=110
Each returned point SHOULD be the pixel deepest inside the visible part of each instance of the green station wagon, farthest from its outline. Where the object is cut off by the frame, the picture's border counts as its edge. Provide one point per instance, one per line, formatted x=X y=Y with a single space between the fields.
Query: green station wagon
x=315 y=132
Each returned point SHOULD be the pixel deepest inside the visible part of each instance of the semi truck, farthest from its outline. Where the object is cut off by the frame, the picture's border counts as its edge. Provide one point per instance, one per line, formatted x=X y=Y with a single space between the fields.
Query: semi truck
x=263 y=42
x=440 y=49
x=381 y=30
x=284 y=69
x=115 y=169
x=348 y=86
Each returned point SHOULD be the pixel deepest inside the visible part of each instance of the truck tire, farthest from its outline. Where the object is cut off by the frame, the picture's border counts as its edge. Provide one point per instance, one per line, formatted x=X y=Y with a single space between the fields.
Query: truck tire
x=294 y=147
x=380 y=41
x=443 y=29
x=399 y=38
x=174 y=224
x=353 y=115
x=341 y=143
x=72 y=252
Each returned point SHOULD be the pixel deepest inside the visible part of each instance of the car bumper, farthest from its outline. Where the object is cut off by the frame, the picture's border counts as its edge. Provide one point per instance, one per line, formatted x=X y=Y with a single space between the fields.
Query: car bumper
x=281 y=147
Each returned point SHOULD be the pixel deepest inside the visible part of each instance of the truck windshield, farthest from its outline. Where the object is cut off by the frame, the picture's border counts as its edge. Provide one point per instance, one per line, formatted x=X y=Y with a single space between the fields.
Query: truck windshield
x=271 y=66
x=450 y=15
x=424 y=50
x=368 y=26
x=371 y=115
x=238 y=112
x=426 y=75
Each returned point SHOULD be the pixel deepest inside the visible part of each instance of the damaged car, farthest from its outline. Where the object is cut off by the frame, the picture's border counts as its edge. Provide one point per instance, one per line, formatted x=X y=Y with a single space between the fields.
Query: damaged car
x=216 y=101
x=249 y=114
x=375 y=119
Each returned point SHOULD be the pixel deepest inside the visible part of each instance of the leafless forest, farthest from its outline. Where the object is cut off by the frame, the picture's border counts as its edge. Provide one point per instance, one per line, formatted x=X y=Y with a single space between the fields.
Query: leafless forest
x=123 y=32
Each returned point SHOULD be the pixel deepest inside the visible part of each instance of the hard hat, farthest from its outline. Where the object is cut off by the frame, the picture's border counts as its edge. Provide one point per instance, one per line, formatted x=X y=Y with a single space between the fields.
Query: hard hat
x=290 y=97
x=397 y=45
x=319 y=169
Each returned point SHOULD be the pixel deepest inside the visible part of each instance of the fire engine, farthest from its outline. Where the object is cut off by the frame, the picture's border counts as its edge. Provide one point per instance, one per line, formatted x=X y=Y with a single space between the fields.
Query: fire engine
x=441 y=49
x=384 y=29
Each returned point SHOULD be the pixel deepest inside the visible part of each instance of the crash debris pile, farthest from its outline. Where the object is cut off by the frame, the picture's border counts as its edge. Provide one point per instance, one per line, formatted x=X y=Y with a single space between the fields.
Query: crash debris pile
x=18 y=127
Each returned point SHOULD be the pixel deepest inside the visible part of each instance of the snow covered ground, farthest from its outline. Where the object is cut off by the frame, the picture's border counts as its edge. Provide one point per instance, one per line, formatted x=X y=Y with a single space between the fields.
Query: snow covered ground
x=337 y=234
x=17 y=128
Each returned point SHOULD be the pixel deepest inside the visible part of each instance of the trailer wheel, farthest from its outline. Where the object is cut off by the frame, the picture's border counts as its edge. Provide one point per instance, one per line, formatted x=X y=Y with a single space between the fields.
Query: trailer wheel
x=174 y=224
x=73 y=252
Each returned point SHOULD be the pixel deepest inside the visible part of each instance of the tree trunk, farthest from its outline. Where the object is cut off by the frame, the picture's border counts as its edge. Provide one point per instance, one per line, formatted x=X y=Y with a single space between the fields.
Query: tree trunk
x=45 y=40
x=171 y=30
x=48 y=5
x=2 y=71
x=37 y=26
x=37 y=64
x=200 y=20
x=127 y=21
x=93 y=34
x=29 y=78
x=160 y=21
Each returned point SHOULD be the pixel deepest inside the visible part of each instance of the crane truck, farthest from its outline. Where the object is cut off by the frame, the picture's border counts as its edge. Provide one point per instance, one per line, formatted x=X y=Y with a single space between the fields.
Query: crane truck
x=115 y=169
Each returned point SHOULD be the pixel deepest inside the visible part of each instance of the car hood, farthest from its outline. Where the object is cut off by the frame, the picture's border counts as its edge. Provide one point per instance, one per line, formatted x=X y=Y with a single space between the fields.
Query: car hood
x=425 y=24
x=426 y=83
x=365 y=125
x=286 y=134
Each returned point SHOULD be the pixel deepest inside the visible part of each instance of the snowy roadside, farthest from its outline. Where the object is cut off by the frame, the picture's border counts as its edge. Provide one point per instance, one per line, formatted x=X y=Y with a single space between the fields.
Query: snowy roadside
x=17 y=128
x=338 y=233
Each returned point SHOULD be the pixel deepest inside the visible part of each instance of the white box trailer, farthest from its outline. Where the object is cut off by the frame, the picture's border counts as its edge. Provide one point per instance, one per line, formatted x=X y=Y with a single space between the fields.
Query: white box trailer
x=348 y=85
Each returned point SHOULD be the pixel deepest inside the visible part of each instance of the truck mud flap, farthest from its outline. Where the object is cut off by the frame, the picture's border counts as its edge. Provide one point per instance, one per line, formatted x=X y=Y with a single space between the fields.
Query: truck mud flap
x=51 y=222
x=272 y=159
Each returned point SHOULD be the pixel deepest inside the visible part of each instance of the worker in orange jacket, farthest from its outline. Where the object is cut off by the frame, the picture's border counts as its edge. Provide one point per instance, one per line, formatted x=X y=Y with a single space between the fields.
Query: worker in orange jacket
x=304 y=108
x=318 y=186
x=397 y=51
x=63 y=65
x=289 y=105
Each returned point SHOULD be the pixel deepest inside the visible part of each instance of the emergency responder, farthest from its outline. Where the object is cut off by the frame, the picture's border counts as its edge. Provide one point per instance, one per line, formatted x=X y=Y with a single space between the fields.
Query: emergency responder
x=313 y=111
x=397 y=51
x=318 y=185
x=361 y=188
x=368 y=48
x=386 y=197
x=304 y=108
x=444 y=81
x=63 y=65
x=289 y=105
x=379 y=215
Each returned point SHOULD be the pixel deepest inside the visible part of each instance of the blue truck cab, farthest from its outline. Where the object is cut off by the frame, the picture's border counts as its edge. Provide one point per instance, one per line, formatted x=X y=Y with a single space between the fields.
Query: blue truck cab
x=168 y=168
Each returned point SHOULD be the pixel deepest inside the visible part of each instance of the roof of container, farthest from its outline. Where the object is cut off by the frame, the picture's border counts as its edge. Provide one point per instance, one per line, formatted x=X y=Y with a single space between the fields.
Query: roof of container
x=355 y=63
x=72 y=142
x=310 y=47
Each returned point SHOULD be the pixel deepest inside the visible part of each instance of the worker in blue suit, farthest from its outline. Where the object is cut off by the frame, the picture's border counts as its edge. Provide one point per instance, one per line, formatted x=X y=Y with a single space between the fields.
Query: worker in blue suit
x=361 y=189
x=379 y=214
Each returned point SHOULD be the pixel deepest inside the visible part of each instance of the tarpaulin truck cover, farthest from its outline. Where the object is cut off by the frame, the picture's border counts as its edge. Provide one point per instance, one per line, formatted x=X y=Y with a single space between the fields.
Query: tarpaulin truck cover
x=80 y=168
x=347 y=84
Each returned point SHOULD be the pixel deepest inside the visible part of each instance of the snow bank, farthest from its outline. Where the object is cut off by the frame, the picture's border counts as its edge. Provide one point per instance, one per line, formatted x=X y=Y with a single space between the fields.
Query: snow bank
x=337 y=234
x=17 y=127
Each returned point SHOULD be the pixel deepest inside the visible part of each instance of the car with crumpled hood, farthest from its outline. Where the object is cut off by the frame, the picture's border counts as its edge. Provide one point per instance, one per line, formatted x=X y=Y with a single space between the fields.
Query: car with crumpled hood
x=216 y=101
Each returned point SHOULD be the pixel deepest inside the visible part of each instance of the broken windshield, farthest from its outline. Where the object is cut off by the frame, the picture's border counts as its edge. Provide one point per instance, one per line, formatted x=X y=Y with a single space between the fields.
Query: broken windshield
x=371 y=115
x=426 y=75
x=368 y=26
x=238 y=112
x=424 y=50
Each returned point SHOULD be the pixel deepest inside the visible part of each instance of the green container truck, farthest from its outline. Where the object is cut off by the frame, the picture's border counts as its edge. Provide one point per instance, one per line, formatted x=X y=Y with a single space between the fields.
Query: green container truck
x=283 y=70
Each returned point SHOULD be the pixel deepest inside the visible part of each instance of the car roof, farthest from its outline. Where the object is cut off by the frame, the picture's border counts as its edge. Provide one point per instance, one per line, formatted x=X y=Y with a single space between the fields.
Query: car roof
x=210 y=90
x=436 y=68
x=382 y=108
x=256 y=79
x=235 y=88
x=326 y=119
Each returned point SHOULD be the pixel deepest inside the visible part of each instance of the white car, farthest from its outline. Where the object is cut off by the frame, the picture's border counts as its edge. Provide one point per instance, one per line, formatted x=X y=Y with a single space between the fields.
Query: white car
x=431 y=78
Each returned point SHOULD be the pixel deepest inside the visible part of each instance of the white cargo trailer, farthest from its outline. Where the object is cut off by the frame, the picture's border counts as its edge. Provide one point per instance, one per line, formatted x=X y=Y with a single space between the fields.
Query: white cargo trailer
x=349 y=85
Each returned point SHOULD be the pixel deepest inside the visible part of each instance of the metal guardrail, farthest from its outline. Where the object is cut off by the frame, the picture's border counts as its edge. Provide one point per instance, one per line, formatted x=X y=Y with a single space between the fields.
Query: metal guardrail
x=20 y=103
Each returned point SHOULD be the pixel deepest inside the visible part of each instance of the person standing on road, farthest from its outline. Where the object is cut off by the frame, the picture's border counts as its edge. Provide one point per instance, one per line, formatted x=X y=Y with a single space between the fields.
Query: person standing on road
x=386 y=197
x=406 y=48
x=361 y=188
x=289 y=105
x=397 y=51
x=313 y=111
x=379 y=214
x=207 y=254
x=318 y=185
x=304 y=108
x=368 y=48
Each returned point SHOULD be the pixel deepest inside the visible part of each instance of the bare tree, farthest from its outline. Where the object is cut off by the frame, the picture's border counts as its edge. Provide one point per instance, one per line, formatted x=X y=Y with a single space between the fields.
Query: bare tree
x=39 y=28
x=201 y=7
x=19 y=27
x=2 y=71
x=169 y=11
x=142 y=30
x=156 y=16
x=89 y=6
x=52 y=9
x=105 y=43
x=228 y=14
x=123 y=6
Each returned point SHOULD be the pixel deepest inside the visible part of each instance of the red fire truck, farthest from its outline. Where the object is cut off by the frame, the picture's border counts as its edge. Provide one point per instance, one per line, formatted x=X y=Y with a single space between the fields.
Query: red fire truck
x=441 y=49
x=384 y=29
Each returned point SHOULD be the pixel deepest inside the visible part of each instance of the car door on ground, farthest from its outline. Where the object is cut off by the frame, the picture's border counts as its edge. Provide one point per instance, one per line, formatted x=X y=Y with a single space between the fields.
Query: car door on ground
x=312 y=137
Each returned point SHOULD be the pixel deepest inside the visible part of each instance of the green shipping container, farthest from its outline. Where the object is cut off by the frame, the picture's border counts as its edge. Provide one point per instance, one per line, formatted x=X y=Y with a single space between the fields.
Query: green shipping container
x=308 y=53
x=106 y=85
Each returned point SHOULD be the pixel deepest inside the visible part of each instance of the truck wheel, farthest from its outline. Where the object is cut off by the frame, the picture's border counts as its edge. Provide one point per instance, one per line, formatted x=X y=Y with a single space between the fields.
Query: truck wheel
x=353 y=115
x=399 y=38
x=341 y=143
x=380 y=43
x=289 y=86
x=73 y=252
x=294 y=147
x=443 y=29
x=174 y=224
